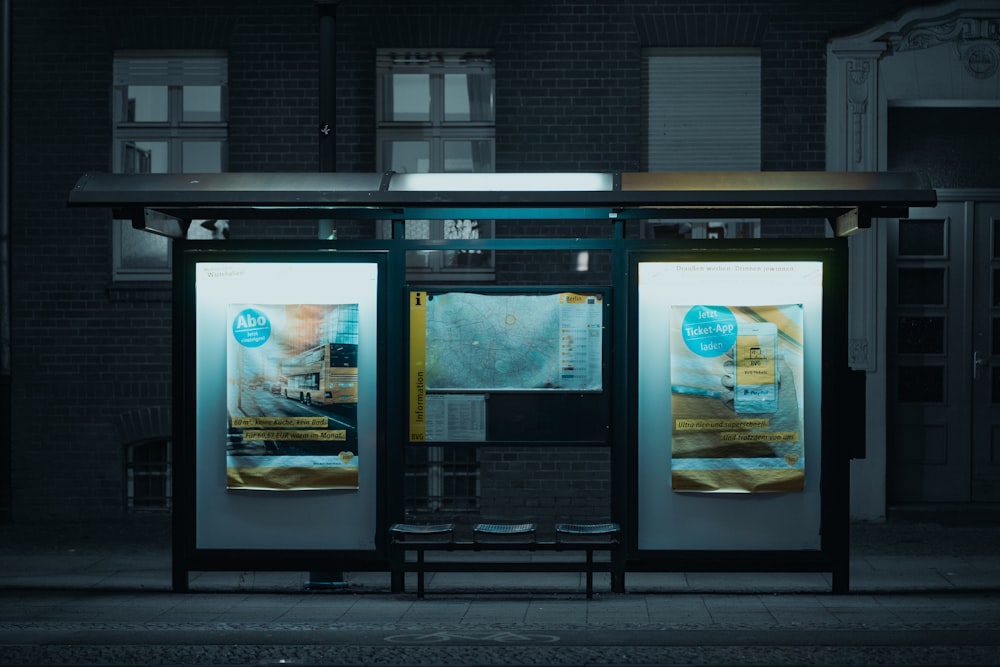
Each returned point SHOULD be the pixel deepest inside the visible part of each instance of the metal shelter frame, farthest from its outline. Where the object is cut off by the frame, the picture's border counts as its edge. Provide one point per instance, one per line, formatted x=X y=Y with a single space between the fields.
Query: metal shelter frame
x=165 y=204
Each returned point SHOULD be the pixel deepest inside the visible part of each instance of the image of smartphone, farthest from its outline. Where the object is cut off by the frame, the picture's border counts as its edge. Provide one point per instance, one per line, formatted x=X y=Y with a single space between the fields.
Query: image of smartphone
x=755 y=383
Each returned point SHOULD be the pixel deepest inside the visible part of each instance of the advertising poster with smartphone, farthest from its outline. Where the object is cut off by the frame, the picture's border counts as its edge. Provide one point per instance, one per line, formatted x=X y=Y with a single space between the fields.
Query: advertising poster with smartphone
x=729 y=387
x=737 y=409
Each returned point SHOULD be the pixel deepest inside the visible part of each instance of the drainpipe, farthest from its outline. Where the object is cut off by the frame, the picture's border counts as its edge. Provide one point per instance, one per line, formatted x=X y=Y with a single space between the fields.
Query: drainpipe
x=6 y=87
x=327 y=10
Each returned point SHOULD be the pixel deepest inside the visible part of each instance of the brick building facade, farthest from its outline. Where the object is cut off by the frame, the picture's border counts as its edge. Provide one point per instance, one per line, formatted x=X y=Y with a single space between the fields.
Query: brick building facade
x=90 y=353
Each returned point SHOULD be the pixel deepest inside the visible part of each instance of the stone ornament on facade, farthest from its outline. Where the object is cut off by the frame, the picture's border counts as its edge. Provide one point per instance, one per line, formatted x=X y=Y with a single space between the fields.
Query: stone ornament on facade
x=976 y=41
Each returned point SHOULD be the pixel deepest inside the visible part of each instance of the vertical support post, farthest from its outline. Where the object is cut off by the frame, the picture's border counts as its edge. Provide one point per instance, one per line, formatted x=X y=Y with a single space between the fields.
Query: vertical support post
x=6 y=392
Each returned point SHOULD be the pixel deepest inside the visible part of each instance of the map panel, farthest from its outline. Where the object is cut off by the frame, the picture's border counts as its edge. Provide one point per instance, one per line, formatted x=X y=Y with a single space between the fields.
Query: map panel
x=513 y=341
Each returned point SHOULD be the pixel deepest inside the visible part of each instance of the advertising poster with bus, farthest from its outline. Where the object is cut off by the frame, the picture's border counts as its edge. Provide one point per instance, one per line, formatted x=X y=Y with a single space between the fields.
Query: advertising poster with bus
x=292 y=396
x=736 y=374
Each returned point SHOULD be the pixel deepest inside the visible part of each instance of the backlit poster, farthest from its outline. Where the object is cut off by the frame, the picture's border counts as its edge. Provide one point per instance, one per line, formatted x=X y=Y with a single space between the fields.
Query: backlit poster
x=729 y=385
x=736 y=374
x=292 y=396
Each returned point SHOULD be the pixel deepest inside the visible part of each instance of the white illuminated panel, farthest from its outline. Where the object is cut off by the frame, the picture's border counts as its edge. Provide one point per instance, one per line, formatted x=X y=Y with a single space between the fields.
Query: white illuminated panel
x=502 y=182
x=683 y=520
x=241 y=519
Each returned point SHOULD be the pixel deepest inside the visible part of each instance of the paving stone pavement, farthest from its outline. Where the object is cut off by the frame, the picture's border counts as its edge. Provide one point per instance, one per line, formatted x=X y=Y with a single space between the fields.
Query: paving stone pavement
x=922 y=593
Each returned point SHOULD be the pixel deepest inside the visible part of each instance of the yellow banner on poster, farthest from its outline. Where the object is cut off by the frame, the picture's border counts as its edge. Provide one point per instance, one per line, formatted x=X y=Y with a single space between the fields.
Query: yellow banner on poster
x=418 y=370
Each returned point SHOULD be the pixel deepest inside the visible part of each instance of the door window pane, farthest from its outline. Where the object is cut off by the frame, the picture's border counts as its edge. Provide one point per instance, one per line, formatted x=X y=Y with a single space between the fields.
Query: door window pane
x=996 y=287
x=202 y=104
x=921 y=238
x=996 y=336
x=408 y=97
x=921 y=335
x=920 y=286
x=920 y=384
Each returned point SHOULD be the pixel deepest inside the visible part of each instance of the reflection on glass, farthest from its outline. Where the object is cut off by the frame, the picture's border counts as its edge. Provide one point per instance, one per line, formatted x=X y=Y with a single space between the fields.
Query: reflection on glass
x=921 y=335
x=202 y=104
x=921 y=237
x=468 y=97
x=145 y=104
x=474 y=155
x=201 y=157
x=921 y=286
x=407 y=157
x=141 y=250
x=144 y=157
x=408 y=97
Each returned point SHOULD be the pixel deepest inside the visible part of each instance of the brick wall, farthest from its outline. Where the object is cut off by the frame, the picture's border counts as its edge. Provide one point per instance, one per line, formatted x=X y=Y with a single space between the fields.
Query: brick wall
x=568 y=72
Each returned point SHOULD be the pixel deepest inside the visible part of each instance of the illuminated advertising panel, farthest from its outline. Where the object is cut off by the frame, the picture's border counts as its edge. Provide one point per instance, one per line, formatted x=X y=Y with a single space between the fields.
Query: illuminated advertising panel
x=285 y=386
x=729 y=378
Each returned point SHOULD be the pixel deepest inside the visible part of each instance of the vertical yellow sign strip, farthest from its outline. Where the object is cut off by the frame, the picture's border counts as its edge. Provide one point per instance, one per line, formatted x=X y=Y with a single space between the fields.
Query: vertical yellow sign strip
x=418 y=355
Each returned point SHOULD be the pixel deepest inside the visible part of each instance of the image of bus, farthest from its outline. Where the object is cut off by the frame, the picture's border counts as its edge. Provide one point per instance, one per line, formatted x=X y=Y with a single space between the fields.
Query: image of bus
x=324 y=375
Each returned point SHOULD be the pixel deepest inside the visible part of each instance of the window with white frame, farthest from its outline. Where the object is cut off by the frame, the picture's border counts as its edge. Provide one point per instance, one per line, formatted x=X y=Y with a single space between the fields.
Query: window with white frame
x=701 y=113
x=170 y=116
x=436 y=113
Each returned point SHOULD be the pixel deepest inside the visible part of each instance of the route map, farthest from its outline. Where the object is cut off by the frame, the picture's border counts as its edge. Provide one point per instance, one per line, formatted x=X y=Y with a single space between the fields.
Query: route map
x=513 y=341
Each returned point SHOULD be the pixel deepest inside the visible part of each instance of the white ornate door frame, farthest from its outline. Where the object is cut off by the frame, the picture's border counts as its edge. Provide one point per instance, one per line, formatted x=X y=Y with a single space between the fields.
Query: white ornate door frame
x=943 y=55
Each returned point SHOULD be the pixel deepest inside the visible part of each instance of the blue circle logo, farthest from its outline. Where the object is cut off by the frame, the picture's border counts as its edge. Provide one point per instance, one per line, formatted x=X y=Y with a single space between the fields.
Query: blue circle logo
x=251 y=328
x=709 y=331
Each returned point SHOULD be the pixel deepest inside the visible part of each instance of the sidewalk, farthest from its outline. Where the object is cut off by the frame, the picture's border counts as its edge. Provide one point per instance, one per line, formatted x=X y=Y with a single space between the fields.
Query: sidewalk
x=922 y=593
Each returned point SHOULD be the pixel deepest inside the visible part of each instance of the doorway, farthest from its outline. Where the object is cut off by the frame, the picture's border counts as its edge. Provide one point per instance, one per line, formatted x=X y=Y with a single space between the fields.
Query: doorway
x=943 y=337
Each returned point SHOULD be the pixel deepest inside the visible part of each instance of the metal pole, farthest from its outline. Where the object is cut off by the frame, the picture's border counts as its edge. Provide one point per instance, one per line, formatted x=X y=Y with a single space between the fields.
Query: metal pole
x=6 y=94
x=327 y=10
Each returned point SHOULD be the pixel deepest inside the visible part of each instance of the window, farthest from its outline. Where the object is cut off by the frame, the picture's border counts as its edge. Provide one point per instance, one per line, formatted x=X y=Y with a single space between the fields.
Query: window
x=170 y=116
x=701 y=113
x=436 y=114
x=148 y=485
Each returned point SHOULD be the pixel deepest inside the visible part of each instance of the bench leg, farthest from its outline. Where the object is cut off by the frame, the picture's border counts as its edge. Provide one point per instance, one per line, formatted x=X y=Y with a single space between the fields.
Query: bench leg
x=420 y=574
x=590 y=574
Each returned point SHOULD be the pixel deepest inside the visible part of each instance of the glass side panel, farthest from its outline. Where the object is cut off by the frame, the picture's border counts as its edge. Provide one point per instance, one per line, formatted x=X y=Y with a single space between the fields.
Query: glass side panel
x=141 y=250
x=921 y=238
x=995 y=385
x=202 y=104
x=920 y=384
x=996 y=238
x=921 y=335
x=408 y=97
x=996 y=335
x=921 y=286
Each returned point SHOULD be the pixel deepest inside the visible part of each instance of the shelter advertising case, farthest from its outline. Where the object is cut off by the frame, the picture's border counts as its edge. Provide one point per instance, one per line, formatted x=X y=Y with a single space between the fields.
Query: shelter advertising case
x=280 y=352
x=738 y=359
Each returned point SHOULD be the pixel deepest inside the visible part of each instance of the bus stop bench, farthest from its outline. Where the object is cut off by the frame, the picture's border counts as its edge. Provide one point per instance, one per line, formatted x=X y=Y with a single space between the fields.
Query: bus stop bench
x=500 y=537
